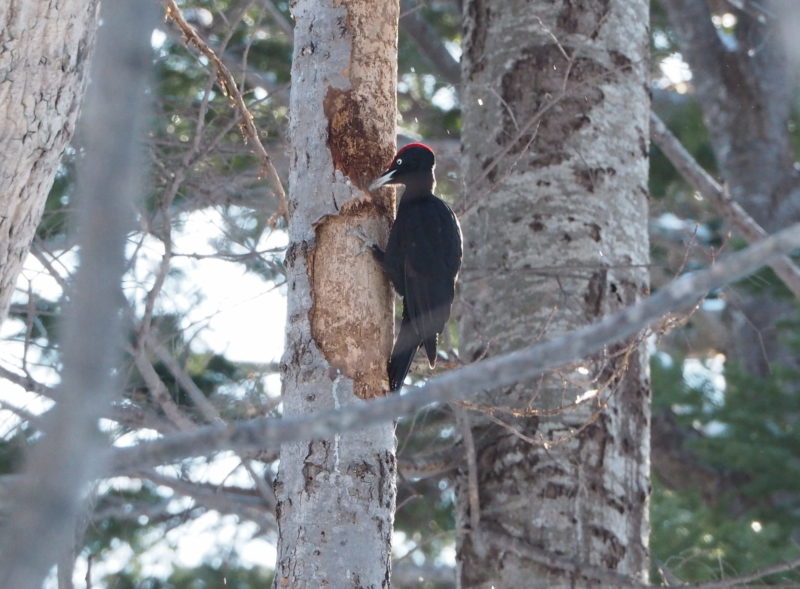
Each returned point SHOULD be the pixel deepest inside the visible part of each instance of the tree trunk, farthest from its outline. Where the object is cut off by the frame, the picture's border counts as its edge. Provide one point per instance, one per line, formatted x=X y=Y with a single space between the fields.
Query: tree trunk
x=555 y=143
x=44 y=51
x=336 y=496
x=47 y=507
x=745 y=92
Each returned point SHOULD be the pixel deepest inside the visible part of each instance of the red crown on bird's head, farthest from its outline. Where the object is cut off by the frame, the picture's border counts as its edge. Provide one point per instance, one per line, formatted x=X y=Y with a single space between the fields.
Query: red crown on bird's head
x=410 y=145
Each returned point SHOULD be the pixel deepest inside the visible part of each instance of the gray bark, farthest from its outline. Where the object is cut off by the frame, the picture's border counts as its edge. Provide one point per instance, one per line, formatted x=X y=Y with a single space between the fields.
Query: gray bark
x=44 y=51
x=59 y=467
x=555 y=140
x=336 y=495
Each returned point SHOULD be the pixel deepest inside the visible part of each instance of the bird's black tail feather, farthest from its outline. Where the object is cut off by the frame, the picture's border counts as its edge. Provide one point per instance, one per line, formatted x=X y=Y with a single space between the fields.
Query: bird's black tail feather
x=430 y=348
x=402 y=355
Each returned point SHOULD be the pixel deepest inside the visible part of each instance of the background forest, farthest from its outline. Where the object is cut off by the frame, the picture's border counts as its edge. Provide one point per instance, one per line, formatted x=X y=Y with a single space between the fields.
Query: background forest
x=205 y=308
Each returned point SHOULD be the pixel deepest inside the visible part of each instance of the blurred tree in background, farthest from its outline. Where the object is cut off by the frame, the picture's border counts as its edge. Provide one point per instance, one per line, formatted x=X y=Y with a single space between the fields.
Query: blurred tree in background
x=726 y=381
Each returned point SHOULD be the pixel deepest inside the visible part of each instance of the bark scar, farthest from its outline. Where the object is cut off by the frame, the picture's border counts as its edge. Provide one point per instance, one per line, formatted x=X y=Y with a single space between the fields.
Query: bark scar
x=352 y=328
x=348 y=133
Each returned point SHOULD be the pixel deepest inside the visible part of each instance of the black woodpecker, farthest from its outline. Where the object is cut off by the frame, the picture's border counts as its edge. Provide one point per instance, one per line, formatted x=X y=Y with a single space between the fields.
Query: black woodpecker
x=422 y=257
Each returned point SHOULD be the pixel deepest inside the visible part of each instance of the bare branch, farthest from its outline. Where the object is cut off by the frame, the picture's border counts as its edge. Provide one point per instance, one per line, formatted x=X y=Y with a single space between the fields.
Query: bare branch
x=429 y=42
x=229 y=87
x=734 y=214
x=283 y=22
x=431 y=464
x=244 y=502
x=754 y=576
x=158 y=391
x=206 y=408
x=463 y=420
x=209 y=412
x=27 y=382
x=498 y=372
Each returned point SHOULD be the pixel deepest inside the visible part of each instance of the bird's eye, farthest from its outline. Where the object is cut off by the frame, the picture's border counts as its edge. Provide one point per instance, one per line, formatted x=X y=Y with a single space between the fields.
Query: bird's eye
x=399 y=162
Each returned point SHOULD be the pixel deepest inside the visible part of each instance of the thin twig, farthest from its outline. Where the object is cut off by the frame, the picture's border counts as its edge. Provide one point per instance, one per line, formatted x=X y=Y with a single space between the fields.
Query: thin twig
x=198 y=398
x=528 y=126
x=430 y=464
x=749 y=577
x=158 y=390
x=495 y=373
x=206 y=408
x=238 y=500
x=38 y=251
x=230 y=89
x=472 y=478
x=28 y=383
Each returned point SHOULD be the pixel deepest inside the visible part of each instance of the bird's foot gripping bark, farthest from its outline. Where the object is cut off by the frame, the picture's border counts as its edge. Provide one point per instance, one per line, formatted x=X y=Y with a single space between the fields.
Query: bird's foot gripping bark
x=367 y=245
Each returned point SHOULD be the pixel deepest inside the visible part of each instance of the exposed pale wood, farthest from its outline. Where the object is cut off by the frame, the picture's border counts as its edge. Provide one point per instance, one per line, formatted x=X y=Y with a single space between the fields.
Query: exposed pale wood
x=336 y=493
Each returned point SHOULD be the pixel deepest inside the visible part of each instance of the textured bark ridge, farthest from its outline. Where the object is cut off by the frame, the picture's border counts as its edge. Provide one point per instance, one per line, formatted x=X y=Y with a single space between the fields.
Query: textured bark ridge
x=555 y=228
x=44 y=52
x=336 y=496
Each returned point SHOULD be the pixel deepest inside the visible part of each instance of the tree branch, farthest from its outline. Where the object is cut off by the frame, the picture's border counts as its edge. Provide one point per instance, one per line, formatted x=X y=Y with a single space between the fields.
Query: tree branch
x=733 y=213
x=429 y=42
x=240 y=501
x=228 y=85
x=729 y=582
x=494 y=373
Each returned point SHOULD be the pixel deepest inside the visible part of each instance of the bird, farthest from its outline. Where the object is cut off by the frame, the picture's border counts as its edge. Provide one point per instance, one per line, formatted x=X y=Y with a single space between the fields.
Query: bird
x=422 y=257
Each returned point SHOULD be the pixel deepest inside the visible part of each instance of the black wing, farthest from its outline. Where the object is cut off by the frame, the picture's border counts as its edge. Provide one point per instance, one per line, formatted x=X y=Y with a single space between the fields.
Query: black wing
x=405 y=347
x=431 y=261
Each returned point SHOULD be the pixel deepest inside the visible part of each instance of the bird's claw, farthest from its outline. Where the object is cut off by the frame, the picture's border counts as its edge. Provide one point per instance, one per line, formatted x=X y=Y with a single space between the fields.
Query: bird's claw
x=366 y=243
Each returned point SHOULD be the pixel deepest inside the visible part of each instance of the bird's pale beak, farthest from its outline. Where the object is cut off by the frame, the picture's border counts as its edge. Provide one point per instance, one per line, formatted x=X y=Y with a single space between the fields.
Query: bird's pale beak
x=384 y=179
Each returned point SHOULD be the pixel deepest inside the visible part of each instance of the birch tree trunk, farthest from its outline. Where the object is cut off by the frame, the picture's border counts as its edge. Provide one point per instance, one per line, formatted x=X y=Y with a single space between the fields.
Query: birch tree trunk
x=44 y=51
x=555 y=144
x=336 y=496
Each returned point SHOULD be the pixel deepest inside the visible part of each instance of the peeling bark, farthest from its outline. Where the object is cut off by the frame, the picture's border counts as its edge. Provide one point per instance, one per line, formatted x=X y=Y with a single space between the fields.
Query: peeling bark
x=557 y=158
x=336 y=496
x=44 y=52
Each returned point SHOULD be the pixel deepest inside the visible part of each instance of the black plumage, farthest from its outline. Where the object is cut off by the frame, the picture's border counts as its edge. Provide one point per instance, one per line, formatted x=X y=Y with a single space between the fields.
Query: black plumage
x=422 y=258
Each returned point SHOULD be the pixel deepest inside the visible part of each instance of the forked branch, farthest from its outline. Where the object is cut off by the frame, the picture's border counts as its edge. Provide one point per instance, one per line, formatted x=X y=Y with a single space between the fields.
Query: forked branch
x=229 y=87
